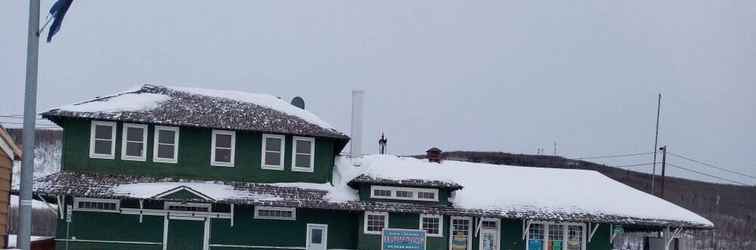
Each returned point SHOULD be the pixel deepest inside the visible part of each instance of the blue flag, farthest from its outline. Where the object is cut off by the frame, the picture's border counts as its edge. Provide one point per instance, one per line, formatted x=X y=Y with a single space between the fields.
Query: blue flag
x=58 y=11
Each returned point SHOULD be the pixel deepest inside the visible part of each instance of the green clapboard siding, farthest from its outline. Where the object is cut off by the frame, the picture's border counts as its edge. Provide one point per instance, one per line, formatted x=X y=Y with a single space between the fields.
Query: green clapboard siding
x=110 y=227
x=342 y=229
x=404 y=221
x=511 y=235
x=194 y=157
x=186 y=235
x=600 y=239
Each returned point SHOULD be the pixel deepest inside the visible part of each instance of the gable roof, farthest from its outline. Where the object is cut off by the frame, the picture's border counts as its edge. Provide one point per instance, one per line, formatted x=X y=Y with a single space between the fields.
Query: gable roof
x=8 y=146
x=195 y=107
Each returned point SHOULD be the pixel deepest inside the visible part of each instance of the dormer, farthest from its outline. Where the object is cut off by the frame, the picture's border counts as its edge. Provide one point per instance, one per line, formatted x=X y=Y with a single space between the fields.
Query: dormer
x=404 y=190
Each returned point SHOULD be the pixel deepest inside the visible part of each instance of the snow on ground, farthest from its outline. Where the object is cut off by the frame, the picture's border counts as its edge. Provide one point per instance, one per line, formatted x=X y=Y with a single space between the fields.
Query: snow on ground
x=513 y=188
x=264 y=100
x=119 y=102
x=213 y=190
x=35 y=203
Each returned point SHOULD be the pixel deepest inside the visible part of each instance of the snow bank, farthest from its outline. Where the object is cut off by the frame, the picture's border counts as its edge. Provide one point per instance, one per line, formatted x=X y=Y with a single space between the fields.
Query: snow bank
x=119 y=103
x=264 y=100
x=35 y=203
x=513 y=188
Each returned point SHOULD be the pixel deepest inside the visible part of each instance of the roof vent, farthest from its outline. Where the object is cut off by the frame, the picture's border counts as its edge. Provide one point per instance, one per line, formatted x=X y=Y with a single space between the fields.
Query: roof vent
x=433 y=154
x=298 y=102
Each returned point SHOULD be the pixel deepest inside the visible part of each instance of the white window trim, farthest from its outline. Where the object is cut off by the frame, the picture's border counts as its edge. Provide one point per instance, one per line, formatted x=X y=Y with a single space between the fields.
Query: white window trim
x=124 y=141
x=294 y=167
x=564 y=234
x=288 y=209
x=233 y=148
x=408 y=189
x=365 y=221
x=156 y=143
x=470 y=236
x=92 y=153
x=498 y=232
x=440 y=224
x=280 y=166
x=114 y=201
x=168 y=204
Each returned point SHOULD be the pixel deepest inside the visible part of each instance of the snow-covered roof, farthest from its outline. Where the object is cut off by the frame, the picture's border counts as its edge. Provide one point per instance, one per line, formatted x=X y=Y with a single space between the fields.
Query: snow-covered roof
x=489 y=190
x=507 y=189
x=197 y=107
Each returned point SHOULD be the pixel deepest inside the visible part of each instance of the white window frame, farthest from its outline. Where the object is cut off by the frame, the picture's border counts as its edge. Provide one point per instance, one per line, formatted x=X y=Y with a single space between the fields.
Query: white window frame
x=440 y=224
x=294 y=167
x=470 y=230
x=407 y=189
x=125 y=141
x=280 y=166
x=113 y=201
x=564 y=233
x=498 y=231
x=93 y=129
x=365 y=221
x=213 y=147
x=168 y=204
x=156 y=144
x=293 y=211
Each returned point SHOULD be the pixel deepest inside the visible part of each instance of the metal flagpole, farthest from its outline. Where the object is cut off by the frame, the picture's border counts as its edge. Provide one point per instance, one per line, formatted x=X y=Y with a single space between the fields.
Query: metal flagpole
x=30 y=115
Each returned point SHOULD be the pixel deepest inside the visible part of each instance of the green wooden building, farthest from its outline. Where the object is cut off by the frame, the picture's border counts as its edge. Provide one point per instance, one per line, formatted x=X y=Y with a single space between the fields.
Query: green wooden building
x=182 y=168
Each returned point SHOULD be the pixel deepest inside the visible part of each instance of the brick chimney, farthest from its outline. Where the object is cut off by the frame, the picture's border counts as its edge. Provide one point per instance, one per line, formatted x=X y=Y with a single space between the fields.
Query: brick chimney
x=433 y=154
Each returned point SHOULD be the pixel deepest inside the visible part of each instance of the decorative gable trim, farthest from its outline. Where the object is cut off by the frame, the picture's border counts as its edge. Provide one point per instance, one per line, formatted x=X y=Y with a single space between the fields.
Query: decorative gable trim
x=183 y=188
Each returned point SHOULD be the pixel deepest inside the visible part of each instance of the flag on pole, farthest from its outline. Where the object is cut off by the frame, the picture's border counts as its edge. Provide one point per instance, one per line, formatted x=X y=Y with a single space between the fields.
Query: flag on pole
x=57 y=12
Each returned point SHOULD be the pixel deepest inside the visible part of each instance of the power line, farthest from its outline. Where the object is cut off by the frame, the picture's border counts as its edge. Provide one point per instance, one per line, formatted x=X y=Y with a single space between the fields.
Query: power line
x=612 y=156
x=705 y=174
x=713 y=166
x=633 y=165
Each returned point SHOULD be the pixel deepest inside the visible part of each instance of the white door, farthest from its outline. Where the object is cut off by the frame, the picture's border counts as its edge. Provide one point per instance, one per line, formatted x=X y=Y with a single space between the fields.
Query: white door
x=317 y=237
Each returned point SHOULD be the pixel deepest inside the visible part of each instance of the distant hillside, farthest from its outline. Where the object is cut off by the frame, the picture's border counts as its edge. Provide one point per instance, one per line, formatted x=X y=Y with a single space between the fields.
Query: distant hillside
x=732 y=208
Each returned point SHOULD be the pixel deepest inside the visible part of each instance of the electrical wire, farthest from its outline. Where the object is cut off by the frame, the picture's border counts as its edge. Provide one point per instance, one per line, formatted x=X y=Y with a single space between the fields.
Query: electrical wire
x=712 y=165
x=705 y=174
x=632 y=165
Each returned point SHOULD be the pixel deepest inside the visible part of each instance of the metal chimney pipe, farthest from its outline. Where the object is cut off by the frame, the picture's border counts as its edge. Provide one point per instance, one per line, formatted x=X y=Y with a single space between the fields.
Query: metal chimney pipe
x=356 y=144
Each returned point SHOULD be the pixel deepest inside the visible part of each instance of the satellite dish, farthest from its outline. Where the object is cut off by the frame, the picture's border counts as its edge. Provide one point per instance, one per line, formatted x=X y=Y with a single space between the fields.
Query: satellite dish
x=298 y=102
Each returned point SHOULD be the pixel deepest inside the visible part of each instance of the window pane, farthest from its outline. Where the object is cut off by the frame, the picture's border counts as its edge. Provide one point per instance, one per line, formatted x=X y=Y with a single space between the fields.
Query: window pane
x=375 y=222
x=134 y=134
x=103 y=132
x=134 y=148
x=166 y=136
x=102 y=147
x=165 y=151
x=316 y=236
x=381 y=192
x=404 y=194
x=303 y=147
x=273 y=144
x=223 y=141
x=460 y=232
x=273 y=159
x=426 y=195
x=431 y=225
x=303 y=161
x=222 y=155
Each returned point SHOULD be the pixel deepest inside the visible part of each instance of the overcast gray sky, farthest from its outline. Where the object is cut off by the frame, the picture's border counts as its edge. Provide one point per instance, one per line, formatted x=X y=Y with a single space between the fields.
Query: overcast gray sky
x=508 y=76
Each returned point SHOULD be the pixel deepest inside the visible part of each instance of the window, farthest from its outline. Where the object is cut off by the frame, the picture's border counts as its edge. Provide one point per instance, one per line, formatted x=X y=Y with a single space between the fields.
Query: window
x=188 y=207
x=98 y=205
x=303 y=157
x=375 y=222
x=222 y=153
x=102 y=140
x=165 y=148
x=275 y=213
x=545 y=235
x=460 y=235
x=133 y=142
x=404 y=193
x=432 y=224
x=273 y=152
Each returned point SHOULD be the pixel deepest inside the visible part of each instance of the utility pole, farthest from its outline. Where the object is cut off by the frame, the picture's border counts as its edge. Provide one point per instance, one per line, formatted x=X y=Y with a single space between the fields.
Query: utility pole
x=664 y=168
x=656 y=143
x=30 y=115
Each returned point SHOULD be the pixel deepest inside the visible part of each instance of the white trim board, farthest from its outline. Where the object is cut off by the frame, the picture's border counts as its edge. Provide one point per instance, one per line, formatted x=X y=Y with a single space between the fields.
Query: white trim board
x=282 y=153
x=213 y=147
x=294 y=166
x=252 y=246
x=125 y=141
x=156 y=143
x=112 y=241
x=365 y=221
x=393 y=190
x=92 y=130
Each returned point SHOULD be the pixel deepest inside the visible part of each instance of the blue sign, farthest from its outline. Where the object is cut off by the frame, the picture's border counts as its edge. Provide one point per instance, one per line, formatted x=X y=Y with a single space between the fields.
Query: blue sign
x=403 y=239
